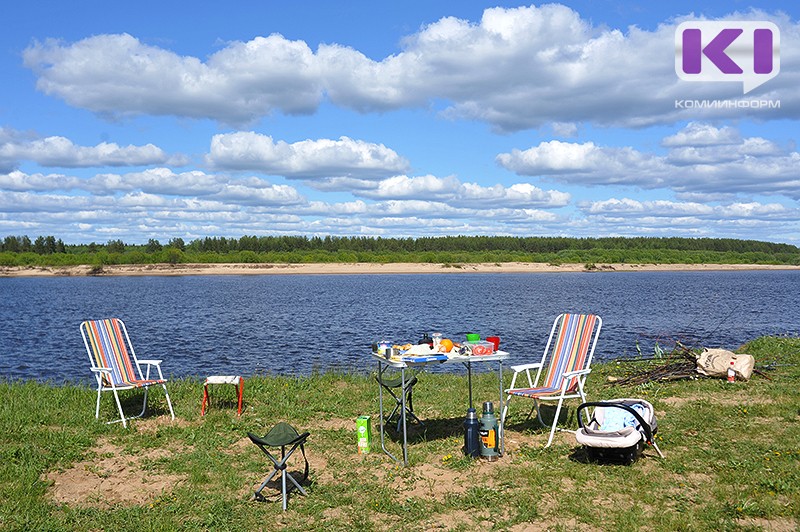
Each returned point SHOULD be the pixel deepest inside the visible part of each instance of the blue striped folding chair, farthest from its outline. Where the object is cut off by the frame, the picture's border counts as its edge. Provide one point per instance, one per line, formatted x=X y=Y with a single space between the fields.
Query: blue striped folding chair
x=569 y=353
x=115 y=366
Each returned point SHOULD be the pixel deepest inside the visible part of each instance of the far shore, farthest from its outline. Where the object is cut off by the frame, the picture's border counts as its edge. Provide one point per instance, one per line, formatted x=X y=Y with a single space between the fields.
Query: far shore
x=361 y=268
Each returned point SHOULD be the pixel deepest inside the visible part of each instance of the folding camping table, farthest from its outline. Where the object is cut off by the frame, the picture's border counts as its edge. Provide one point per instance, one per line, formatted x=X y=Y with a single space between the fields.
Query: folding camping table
x=415 y=361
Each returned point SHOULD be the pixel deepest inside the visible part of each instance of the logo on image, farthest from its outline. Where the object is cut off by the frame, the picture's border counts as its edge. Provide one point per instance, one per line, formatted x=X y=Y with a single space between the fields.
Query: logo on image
x=742 y=51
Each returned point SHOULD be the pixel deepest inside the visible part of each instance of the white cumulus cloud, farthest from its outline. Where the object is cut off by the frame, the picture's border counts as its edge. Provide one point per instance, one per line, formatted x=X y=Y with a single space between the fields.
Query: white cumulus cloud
x=119 y=75
x=631 y=208
x=307 y=159
x=58 y=151
x=696 y=134
x=583 y=162
x=515 y=68
x=749 y=166
x=21 y=182
x=451 y=191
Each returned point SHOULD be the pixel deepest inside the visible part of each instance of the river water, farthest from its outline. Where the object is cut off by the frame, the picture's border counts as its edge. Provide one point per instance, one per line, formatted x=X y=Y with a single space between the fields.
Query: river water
x=299 y=324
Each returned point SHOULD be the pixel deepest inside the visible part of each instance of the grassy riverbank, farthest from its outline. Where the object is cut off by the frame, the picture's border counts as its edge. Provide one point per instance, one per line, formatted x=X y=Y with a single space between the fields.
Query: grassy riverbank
x=732 y=459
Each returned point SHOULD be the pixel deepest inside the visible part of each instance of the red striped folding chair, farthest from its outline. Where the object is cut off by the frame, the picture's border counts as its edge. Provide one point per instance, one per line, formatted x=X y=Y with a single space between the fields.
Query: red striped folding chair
x=569 y=353
x=115 y=366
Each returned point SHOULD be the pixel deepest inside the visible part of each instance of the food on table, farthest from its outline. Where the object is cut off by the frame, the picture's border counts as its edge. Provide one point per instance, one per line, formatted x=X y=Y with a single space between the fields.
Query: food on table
x=482 y=348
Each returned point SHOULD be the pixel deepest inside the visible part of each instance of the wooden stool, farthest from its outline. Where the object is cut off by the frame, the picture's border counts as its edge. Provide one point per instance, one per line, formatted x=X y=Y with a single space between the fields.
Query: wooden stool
x=236 y=380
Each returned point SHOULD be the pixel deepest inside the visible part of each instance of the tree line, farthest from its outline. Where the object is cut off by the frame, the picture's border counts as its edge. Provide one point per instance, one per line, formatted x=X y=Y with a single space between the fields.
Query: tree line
x=47 y=250
x=44 y=245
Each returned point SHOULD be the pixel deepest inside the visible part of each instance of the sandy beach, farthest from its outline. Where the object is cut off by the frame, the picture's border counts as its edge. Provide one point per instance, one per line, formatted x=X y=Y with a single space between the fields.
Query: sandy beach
x=362 y=268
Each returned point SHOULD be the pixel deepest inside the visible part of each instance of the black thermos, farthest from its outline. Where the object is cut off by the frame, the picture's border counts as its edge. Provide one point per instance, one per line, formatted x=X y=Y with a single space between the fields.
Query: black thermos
x=472 y=442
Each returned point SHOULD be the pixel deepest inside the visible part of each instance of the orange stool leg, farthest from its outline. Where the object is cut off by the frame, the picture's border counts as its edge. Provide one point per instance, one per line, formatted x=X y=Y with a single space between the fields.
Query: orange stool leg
x=205 y=399
x=240 y=393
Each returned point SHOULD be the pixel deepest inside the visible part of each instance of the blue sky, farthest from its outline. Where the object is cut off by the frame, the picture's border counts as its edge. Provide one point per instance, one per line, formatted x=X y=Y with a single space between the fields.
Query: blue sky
x=154 y=120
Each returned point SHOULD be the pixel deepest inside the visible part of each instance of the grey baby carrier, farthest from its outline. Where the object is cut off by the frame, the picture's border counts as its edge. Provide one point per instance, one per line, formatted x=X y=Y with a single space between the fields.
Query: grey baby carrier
x=618 y=430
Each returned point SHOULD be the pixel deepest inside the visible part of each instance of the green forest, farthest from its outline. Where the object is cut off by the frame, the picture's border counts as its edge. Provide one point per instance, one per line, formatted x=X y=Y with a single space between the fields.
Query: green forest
x=49 y=251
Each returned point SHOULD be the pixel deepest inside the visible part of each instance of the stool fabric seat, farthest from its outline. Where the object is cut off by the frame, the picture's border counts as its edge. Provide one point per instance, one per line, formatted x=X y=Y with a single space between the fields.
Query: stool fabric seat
x=281 y=436
x=223 y=379
x=235 y=380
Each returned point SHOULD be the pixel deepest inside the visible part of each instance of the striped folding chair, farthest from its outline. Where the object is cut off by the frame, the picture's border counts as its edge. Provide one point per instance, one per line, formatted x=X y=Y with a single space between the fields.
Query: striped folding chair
x=569 y=353
x=115 y=366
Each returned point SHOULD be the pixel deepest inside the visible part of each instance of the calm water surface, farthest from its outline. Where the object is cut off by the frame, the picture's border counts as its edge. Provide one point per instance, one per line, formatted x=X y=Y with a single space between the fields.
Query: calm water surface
x=298 y=324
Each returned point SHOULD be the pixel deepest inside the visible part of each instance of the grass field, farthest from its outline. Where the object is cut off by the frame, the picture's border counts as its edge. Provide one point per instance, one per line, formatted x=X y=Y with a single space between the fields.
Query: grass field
x=732 y=459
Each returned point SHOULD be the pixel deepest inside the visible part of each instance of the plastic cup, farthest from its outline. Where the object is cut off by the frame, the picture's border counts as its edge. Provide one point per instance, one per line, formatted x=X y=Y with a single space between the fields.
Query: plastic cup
x=472 y=337
x=437 y=339
x=495 y=340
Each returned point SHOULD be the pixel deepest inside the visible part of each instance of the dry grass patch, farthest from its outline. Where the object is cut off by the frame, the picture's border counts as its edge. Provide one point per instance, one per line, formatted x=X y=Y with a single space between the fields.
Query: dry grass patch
x=565 y=524
x=451 y=520
x=152 y=425
x=437 y=483
x=739 y=398
x=771 y=525
x=335 y=424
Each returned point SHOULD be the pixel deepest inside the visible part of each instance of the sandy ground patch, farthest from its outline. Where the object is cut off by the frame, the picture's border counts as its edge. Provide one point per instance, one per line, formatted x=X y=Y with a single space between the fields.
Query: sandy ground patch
x=359 y=268
x=112 y=477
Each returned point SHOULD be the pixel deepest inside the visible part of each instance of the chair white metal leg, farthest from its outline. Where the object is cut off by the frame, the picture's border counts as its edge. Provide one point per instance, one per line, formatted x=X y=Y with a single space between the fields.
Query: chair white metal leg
x=555 y=421
x=144 y=402
x=97 y=407
x=169 y=402
x=121 y=413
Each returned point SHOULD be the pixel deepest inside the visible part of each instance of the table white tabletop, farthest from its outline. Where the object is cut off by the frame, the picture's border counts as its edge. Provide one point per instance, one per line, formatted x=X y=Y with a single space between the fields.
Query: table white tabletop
x=399 y=361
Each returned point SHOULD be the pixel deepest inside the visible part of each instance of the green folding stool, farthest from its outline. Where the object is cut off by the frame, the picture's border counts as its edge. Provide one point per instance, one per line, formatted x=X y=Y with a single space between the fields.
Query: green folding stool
x=281 y=436
x=392 y=385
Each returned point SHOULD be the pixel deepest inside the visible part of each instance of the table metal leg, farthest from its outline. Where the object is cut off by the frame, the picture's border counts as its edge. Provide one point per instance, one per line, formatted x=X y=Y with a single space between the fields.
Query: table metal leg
x=381 y=369
x=500 y=428
x=469 y=381
x=403 y=413
x=500 y=421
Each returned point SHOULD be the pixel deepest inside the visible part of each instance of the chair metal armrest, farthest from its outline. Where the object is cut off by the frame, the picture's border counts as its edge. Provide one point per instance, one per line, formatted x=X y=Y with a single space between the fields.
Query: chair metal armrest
x=523 y=367
x=526 y=369
x=152 y=363
x=578 y=372
x=103 y=376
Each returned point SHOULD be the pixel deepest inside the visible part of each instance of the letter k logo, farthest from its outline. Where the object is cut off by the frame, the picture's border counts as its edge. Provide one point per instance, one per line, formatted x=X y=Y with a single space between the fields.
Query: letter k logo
x=714 y=51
